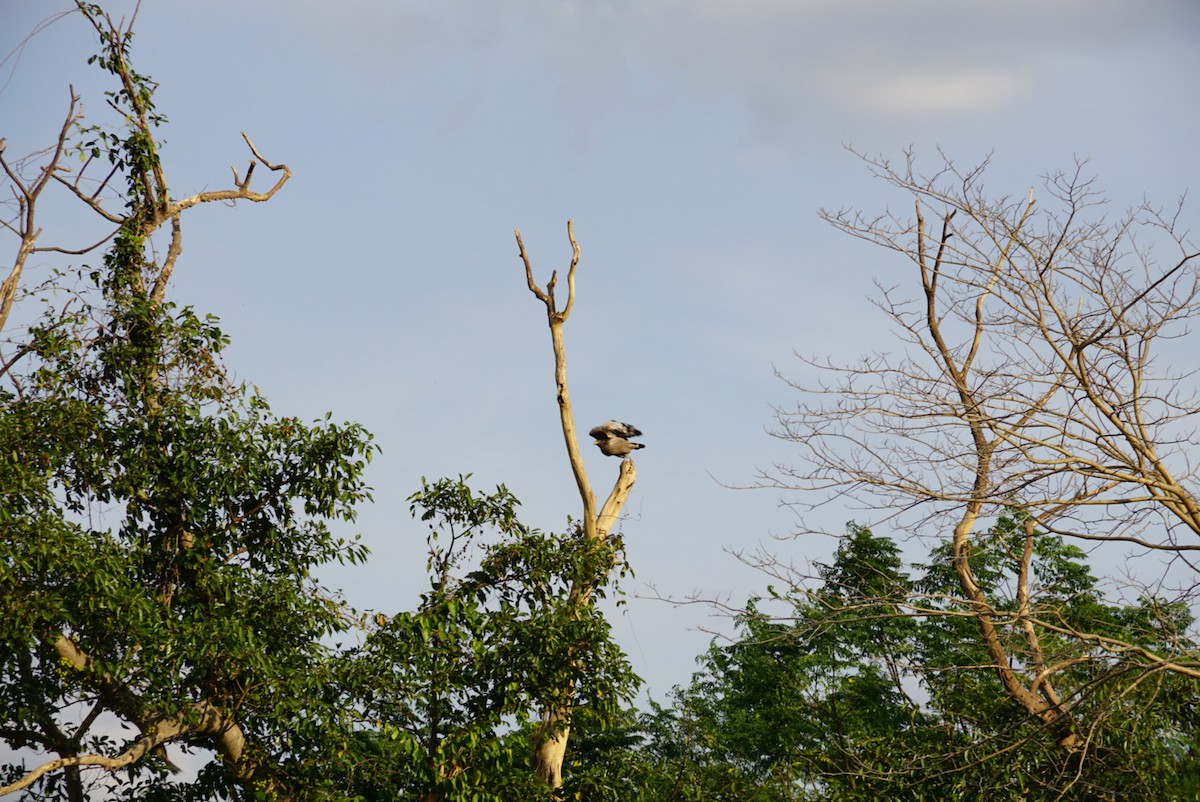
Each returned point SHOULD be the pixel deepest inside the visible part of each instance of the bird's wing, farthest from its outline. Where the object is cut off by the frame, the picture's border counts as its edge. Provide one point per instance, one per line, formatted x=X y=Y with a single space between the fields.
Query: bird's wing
x=623 y=429
x=614 y=428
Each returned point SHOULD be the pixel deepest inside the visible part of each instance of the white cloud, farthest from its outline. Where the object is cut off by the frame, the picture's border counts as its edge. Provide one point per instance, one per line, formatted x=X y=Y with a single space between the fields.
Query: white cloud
x=784 y=58
x=921 y=93
x=882 y=57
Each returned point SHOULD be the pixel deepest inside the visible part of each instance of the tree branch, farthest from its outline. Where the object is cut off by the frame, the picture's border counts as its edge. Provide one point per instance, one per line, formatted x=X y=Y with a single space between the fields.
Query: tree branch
x=556 y=320
x=241 y=190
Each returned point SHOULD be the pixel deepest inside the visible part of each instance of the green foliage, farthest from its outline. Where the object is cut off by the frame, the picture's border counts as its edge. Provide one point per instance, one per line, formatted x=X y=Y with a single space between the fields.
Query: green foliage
x=449 y=687
x=876 y=687
x=165 y=522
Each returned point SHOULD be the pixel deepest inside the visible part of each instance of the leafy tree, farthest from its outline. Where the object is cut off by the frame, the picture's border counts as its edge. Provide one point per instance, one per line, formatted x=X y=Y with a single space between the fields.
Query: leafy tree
x=160 y=525
x=795 y=708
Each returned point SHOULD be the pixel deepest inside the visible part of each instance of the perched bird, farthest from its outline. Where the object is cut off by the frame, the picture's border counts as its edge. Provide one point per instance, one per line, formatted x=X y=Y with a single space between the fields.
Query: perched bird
x=612 y=438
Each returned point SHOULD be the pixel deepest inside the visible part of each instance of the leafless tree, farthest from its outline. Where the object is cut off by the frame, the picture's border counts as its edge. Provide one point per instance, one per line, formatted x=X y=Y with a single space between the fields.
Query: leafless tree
x=1037 y=367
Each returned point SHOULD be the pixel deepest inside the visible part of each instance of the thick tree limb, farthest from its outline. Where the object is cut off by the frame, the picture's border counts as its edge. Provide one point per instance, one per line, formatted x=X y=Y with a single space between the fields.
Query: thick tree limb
x=197 y=718
x=616 y=499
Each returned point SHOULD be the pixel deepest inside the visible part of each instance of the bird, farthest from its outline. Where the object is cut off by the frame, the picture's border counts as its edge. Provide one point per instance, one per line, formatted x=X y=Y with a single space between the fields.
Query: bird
x=612 y=438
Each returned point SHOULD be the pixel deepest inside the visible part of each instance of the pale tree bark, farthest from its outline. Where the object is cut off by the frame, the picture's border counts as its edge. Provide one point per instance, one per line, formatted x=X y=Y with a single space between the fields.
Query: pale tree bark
x=1029 y=374
x=554 y=729
x=957 y=368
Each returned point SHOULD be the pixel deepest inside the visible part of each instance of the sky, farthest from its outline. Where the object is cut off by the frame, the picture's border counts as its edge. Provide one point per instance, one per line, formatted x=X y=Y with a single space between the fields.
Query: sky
x=691 y=142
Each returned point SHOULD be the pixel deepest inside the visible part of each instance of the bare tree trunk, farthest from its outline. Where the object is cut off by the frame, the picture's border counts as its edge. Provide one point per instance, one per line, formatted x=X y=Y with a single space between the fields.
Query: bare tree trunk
x=553 y=732
x=957 y=366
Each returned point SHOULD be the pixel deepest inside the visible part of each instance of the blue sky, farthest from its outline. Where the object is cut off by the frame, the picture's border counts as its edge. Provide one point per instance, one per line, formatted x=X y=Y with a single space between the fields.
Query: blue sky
x=691 y=141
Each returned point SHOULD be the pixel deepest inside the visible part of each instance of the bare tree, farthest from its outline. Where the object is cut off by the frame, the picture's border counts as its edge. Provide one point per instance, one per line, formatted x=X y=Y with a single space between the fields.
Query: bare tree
x=1034 y=372
x=554 y=730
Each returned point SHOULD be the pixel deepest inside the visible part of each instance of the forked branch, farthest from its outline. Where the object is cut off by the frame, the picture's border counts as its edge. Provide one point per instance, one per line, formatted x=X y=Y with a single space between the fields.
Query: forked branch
x=556 y=319
x=241 y=190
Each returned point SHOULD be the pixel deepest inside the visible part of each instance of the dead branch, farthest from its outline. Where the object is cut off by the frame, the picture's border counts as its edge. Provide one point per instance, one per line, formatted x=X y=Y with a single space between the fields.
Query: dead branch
x=241 y=190
x=556 y=319
x=27 y=200
x=611 y=510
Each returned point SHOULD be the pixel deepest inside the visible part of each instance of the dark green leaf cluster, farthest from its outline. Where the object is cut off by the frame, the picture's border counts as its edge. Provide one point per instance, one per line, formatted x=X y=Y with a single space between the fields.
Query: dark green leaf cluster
x=877 y=687
x=168 y=525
